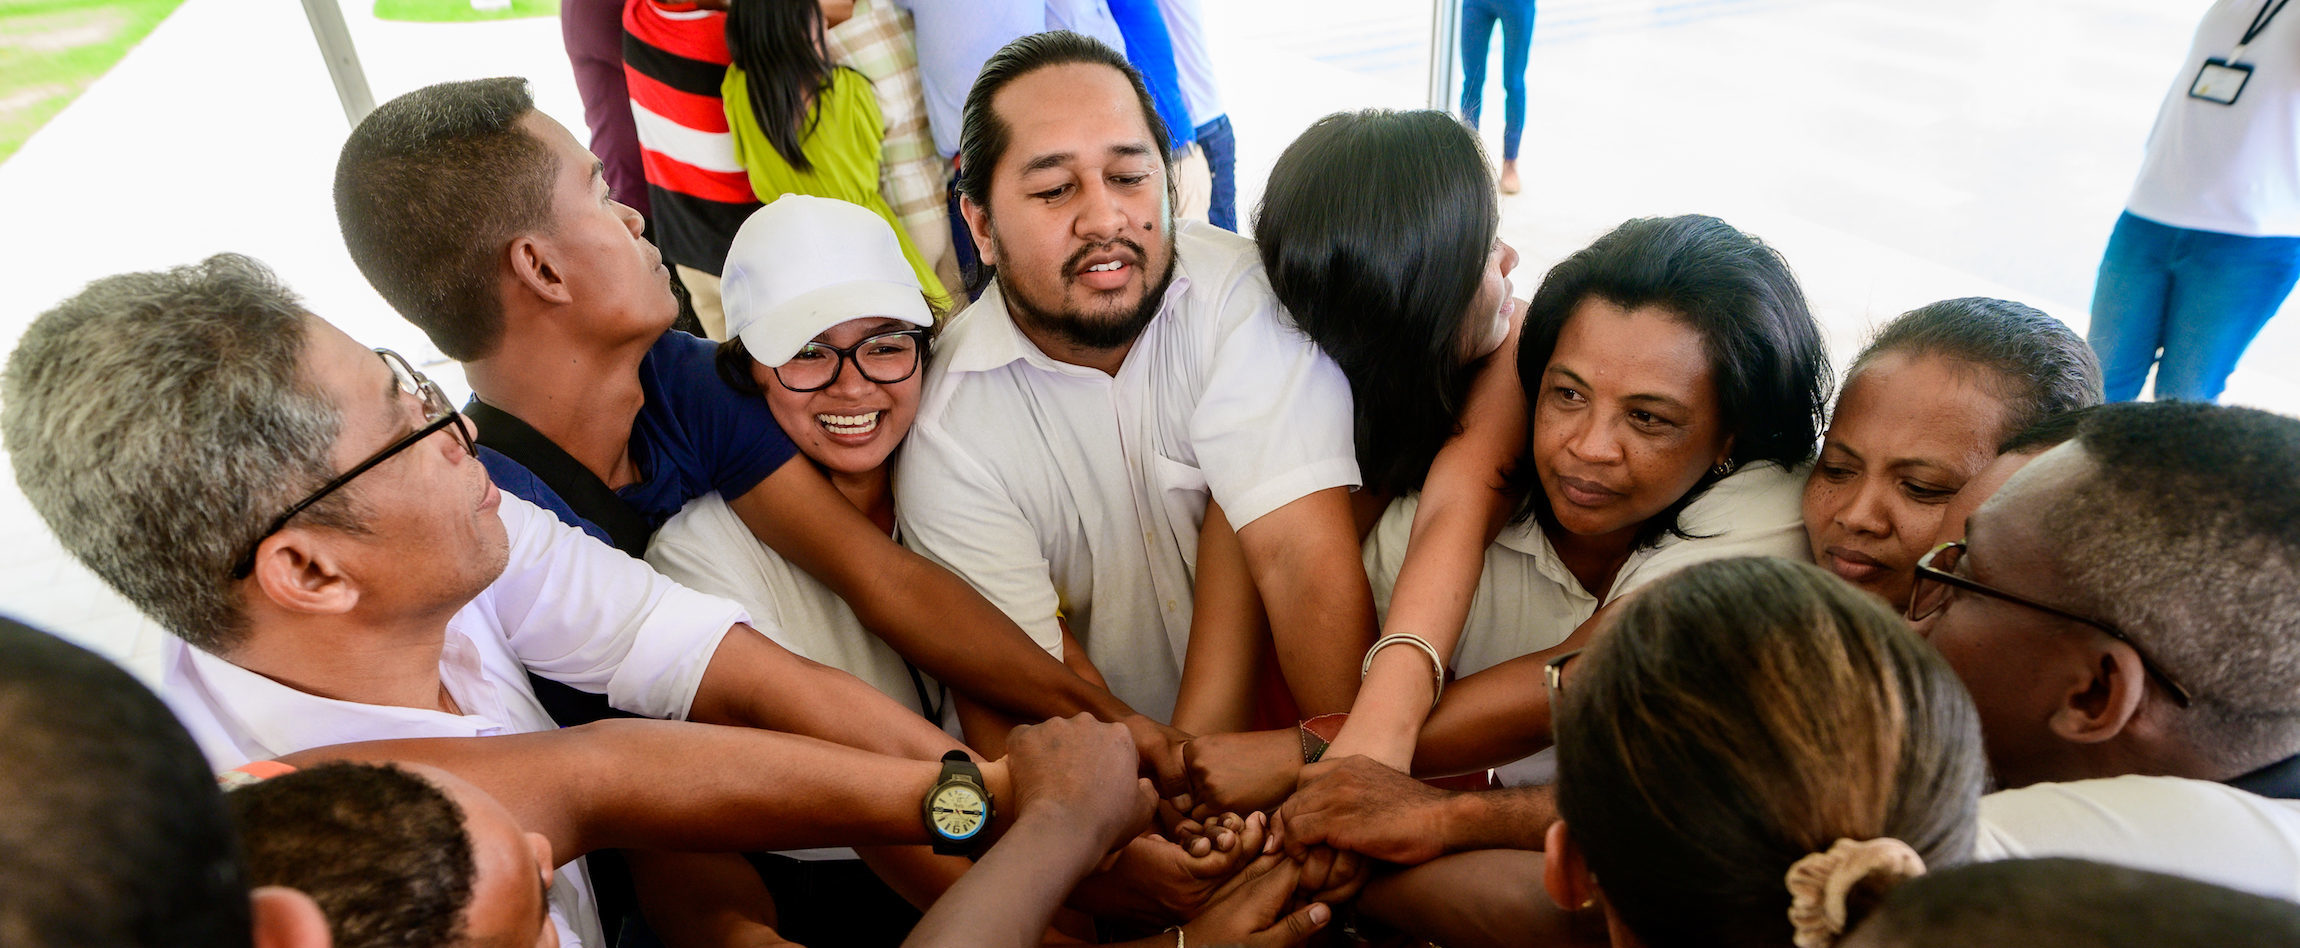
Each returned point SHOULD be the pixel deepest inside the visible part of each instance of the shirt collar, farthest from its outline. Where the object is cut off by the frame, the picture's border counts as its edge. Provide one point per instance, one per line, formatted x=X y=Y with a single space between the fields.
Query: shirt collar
x=984 y=336
x=2278 y=781
x=283 y=720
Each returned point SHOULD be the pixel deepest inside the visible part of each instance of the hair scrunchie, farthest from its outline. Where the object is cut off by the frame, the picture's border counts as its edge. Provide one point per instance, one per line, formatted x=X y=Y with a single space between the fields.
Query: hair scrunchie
x=1818 y=883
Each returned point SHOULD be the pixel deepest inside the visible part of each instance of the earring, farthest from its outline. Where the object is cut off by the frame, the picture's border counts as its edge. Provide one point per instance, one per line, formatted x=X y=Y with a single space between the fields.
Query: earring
x=1723 y=468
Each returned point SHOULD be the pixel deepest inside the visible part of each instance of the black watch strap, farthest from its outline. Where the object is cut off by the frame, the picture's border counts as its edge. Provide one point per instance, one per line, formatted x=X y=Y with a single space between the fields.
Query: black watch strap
x=959 y=767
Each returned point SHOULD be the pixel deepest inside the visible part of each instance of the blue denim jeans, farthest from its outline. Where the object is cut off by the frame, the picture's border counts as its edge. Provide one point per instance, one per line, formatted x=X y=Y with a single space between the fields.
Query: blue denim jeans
x=2197 y=295
x=1221 y=147
x=1477 y=20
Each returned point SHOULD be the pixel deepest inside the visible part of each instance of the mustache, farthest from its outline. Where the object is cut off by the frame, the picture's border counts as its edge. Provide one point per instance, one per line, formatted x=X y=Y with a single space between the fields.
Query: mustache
x=1077 y=260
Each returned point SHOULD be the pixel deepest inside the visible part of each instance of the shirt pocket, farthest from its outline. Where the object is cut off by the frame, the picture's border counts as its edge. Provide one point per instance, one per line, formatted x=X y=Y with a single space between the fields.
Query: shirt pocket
x=1180 y=491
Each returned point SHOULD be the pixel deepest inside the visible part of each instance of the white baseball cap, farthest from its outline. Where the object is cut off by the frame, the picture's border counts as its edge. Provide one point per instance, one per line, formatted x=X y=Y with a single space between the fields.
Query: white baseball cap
x=804 y=264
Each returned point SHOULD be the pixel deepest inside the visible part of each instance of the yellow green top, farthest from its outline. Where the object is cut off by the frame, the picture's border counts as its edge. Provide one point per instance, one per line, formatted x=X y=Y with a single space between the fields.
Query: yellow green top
x=843 y=146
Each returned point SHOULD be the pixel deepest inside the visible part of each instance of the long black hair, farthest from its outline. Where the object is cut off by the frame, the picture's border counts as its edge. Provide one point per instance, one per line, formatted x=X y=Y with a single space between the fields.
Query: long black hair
x=778 y=44
x=1764 y=348
x=1375 y=230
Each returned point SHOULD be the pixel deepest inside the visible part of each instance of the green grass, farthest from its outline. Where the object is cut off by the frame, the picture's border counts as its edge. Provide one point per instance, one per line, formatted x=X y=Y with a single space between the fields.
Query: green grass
x=459 y=11
x=50 y=50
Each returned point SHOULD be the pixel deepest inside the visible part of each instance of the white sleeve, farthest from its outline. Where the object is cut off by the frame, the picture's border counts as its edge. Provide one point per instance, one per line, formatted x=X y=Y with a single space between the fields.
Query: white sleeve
x=578 y=611
x=953 y=511
x=2192 y=828
x=1275 y=420
x=1385 y=550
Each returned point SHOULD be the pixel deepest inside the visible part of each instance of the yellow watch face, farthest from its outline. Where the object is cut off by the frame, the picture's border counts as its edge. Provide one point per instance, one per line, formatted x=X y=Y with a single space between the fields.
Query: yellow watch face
x=958 y=810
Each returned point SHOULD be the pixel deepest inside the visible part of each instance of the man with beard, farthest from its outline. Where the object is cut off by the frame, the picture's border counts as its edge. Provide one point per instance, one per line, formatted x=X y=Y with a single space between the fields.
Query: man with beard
x=1121 y=381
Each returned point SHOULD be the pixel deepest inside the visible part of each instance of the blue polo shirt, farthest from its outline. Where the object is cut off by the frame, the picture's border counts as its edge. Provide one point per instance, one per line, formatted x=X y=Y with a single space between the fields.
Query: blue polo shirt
x=693 y=436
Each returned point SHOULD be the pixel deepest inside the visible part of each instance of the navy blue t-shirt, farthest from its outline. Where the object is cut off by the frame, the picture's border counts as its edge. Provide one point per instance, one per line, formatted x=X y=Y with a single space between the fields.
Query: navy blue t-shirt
x=693 y=435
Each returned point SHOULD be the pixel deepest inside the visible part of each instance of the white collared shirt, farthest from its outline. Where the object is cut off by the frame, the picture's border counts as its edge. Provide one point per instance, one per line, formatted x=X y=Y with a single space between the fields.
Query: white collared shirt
x=2193 y=828
x=1527 y=600
x=1058 y=490
x=567 y=606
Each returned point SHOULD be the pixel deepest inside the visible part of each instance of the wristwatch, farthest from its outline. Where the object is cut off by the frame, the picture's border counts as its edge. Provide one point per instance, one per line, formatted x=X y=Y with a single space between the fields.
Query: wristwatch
x=958 y=808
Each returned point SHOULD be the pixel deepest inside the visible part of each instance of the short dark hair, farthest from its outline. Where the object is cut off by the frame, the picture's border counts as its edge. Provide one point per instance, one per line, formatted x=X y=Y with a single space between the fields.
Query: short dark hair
x=430 y=188
x=2046 y=433
x=2072 y=903
x=112 y=826
x=983 y=138
x=2184 y=537
x=2034 y=363
x=382 y=851
x=1375 y=230
x=1764 y=348
x=1741 y=714
x=159 y=486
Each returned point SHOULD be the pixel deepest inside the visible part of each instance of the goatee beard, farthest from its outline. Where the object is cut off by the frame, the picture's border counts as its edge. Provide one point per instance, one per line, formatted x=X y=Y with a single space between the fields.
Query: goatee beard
x=1079 y=330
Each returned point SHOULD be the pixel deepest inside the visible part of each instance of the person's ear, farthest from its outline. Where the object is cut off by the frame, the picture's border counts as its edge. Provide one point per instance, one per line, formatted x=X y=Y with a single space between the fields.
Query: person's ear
x=300 y=573
x=1564 y=872
x=286 y=918
x=1724 y=452
x=2104 y=699
x=978 y=224
x=540 y=845
x=535 y=271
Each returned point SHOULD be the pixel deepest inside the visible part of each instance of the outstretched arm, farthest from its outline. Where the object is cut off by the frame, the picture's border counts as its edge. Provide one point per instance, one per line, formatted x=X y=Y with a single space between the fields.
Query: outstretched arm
x=638 y=784
x=1465 y=501
x=1228 y=630
x=913 y=604
x=1303 y=557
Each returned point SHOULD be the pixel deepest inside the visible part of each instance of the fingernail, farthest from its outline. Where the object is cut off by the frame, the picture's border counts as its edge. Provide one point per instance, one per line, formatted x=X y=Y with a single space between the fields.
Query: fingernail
x=1319 y=913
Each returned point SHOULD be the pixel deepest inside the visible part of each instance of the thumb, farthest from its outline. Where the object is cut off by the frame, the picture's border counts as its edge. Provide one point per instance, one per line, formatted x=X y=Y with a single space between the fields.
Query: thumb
x=1296 y=928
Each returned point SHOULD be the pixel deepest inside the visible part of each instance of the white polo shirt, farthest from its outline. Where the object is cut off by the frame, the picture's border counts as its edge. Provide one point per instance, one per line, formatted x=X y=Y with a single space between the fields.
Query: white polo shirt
x=567 y=606
x=2194 y=828
x=1527 y=600
x=1058 y=490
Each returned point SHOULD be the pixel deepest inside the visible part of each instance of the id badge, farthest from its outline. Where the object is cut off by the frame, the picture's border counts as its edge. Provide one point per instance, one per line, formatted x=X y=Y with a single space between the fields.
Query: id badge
x=2220 y=81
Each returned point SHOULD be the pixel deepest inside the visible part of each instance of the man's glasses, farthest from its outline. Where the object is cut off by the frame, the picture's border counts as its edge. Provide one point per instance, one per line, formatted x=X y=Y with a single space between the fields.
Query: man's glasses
x=438 y=413
x=886 y=358
x=1937 y=583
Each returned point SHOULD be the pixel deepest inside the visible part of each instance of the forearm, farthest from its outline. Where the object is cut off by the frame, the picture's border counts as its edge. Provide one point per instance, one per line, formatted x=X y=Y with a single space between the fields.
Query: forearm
x=924 y=612
x=638 y=784
x=752 y=682
x=1465 y=501
x=993 y=661
x=1227 y=632
x=1304 y=559
x=1010 y=896
x=704 y=899
x=1487 y=719
x=1509 y=818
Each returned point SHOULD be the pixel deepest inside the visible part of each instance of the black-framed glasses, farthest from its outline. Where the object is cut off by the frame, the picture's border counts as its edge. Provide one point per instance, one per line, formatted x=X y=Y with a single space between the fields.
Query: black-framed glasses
x=1553 y=671
x=1937 y=580
x=886 y=358
x=438 y=413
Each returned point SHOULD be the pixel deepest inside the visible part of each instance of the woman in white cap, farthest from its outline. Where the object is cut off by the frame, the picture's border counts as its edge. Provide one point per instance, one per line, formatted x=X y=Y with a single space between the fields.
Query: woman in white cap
x=827 y=322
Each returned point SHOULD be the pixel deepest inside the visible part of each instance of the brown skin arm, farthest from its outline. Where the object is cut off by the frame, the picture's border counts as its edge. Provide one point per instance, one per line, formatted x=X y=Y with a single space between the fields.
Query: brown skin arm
x=704 y=899
x=1359 y=805
x=1304 y=559
x=1077 y=798
x=753 y=682
x=1497 y=715
x=1227 y=630
x=1485 y=899
x=916 y=607
x=1465 y=501
x=603 y=786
